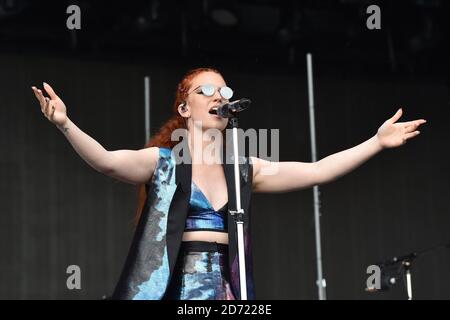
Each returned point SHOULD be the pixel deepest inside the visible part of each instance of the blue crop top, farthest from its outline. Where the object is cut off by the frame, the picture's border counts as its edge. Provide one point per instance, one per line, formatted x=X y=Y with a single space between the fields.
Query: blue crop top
x=201 y=214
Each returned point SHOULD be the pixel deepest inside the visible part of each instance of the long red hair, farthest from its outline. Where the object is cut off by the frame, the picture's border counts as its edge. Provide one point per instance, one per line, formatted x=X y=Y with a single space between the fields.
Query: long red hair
x=163 y=138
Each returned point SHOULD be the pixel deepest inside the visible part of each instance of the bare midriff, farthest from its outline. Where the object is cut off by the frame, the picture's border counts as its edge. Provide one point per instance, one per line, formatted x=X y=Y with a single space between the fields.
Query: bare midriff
x=208 y=236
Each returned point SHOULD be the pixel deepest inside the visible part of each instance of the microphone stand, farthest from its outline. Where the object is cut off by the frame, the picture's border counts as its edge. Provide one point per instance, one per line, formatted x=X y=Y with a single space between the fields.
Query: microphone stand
x=405 y=265
x=405 y=268
x=239 y=213
x=230 y=110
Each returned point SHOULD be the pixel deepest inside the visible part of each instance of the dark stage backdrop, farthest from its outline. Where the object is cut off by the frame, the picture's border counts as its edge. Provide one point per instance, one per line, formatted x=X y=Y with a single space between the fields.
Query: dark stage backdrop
x=56 y=211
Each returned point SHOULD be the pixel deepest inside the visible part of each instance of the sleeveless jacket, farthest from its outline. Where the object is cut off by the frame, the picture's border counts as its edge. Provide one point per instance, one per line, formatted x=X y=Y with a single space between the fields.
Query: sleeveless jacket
x=156 y=242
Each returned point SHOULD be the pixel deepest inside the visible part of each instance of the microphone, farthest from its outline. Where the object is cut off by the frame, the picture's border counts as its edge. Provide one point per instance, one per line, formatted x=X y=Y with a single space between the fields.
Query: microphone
x=406 y=258
x=228 y=110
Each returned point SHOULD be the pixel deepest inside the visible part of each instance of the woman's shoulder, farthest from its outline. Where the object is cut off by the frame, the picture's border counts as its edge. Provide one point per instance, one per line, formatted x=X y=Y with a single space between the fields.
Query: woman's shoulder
x=165 y=155
x=164 y=152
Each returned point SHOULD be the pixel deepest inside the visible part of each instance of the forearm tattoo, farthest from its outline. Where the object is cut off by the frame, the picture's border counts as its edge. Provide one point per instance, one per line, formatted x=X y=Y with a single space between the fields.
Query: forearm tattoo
x=64 y=129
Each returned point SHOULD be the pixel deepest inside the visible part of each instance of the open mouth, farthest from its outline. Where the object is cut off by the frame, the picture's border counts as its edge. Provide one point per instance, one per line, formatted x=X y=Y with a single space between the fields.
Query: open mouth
x=213 y=110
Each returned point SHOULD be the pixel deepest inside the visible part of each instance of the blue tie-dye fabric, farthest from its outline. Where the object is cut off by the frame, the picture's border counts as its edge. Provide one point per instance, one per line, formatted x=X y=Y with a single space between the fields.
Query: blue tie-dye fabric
x=146 y=272
x=162 y=192
x=202 y=216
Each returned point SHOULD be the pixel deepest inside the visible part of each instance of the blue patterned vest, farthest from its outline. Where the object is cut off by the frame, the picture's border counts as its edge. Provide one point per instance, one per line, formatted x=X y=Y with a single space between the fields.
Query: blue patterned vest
x=154 y=249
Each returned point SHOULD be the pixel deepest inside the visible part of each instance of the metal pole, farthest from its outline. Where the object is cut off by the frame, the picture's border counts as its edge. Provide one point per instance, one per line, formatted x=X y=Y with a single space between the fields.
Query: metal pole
x=238 y=215
x=321 y=283
x=147 y=107
x=407 y=266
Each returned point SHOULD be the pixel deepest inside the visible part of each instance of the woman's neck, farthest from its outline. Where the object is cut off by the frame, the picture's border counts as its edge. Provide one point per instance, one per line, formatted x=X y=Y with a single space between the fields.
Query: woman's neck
x=205 y=147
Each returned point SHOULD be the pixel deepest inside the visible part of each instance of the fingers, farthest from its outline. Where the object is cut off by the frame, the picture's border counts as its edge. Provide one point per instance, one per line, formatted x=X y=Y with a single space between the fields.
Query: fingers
x=50 y=91
x=39 y=96
x=415 y=122
x=52 y=112
x=49 y=109
x=43 y=101
x=47 y=103
x=36 y=94
x=396 y=116
x=413 y=125
x=411 y=135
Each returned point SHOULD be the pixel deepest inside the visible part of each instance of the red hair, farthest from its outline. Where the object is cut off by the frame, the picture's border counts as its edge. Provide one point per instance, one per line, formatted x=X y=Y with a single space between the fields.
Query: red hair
x=163 y=138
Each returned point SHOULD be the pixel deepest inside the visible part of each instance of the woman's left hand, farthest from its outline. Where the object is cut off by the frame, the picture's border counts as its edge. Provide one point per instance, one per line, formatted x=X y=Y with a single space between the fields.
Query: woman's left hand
x=394 y=134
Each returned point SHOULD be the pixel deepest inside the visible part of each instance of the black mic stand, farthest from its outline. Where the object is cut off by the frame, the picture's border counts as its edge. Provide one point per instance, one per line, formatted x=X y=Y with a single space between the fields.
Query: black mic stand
x=397 y=267
x=231 y=112
x=405 y=264
x=239 y=213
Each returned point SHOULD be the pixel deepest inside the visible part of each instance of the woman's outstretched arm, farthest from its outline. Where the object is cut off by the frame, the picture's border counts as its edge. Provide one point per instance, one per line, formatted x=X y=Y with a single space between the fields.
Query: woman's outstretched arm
x=288 y=176
x=131 y=166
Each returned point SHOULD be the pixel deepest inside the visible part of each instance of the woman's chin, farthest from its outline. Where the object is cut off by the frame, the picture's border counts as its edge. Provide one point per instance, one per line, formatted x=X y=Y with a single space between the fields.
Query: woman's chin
x=216 y=123
x=212 y=122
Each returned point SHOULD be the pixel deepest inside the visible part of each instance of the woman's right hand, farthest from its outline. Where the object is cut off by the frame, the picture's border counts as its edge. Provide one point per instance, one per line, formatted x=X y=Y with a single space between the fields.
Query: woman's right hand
x=53 y=108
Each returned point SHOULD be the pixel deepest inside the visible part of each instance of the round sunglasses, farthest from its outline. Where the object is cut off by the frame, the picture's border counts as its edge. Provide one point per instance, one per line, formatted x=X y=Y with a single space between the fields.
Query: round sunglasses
x=209 y=90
